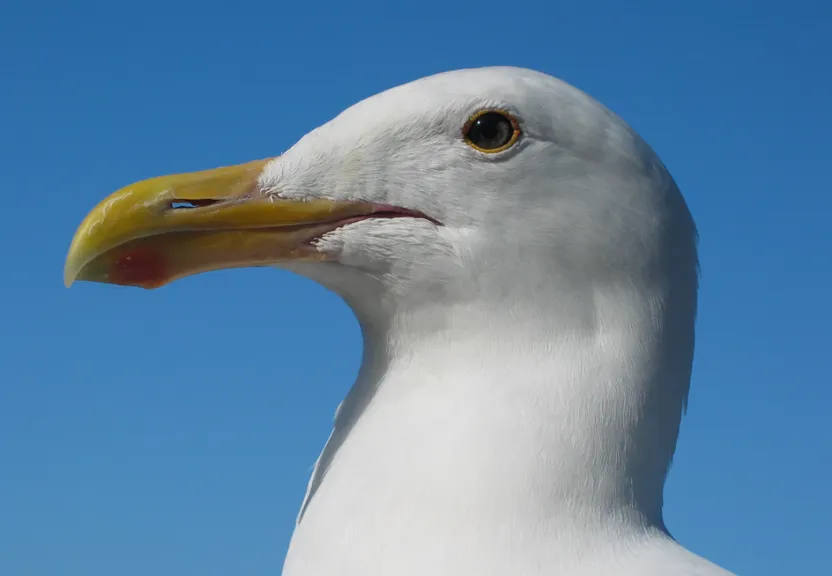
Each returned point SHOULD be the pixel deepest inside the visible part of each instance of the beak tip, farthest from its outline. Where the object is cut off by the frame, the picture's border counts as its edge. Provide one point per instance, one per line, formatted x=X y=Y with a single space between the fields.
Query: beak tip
x=69 y=278
x=71 y=271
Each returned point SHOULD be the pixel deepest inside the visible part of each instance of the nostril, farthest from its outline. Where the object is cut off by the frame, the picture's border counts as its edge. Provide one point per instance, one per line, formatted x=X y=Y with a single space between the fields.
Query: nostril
x=190 y=204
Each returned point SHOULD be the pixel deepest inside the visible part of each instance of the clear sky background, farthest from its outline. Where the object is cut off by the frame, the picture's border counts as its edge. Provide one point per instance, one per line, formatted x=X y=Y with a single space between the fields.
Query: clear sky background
x=172 y=432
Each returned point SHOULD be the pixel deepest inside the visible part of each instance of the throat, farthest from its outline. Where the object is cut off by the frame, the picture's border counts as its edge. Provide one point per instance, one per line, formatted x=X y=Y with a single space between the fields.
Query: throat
x=480 y=434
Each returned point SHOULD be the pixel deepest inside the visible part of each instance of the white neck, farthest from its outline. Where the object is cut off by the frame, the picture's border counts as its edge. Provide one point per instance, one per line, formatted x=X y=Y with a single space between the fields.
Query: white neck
x=506 y=431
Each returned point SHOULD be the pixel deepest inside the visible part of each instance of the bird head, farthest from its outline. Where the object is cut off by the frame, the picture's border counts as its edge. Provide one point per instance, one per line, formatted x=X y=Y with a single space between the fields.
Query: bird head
x=440 y=189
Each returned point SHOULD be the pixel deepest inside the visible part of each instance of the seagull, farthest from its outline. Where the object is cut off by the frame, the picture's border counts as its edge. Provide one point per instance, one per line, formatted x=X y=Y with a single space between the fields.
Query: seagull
x=524 y=271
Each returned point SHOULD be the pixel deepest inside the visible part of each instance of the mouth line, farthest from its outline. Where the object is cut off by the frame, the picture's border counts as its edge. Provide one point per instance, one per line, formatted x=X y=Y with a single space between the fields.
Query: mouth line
x=375 y=211
x=379 y=212
x=386 y=212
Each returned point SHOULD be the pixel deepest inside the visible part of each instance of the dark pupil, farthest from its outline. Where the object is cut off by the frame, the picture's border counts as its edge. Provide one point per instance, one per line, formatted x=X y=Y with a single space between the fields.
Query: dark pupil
x=490 y=131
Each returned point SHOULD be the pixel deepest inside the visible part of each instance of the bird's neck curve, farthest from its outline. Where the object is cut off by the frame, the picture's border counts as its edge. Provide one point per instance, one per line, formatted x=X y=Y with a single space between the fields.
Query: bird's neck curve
x=478 y=422
x=584 y=418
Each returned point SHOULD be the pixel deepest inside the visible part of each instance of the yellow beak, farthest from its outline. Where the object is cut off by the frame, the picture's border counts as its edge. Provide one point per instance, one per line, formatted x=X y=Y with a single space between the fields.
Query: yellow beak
x=156 y=231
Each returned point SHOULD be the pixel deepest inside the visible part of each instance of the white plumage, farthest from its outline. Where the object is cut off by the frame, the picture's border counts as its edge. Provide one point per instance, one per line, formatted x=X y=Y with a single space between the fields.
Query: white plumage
x=526 y=362
x=524 y=271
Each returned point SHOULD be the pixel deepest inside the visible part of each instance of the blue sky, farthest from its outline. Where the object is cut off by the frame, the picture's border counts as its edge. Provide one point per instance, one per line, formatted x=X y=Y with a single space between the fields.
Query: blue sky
x=172 y=432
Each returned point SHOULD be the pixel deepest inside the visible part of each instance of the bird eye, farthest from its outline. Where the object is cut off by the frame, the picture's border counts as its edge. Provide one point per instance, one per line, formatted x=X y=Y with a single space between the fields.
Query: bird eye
x=491 y=131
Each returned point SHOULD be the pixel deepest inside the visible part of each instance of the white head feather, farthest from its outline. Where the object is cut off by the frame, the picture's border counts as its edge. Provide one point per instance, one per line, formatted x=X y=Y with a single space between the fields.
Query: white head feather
x=527 y=360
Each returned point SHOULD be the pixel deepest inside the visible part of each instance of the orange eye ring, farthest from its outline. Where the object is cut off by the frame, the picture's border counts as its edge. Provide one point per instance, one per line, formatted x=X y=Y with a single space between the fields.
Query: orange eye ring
x=491 y=131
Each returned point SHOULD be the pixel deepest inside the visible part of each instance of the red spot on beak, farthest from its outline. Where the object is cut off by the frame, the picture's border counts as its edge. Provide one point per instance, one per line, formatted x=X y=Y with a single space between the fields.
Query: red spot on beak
x=139 y=267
